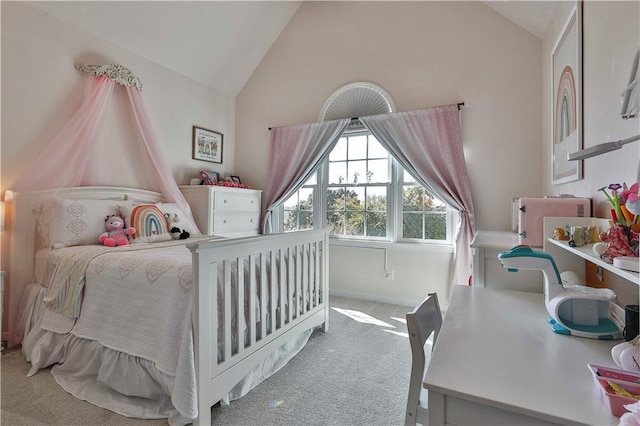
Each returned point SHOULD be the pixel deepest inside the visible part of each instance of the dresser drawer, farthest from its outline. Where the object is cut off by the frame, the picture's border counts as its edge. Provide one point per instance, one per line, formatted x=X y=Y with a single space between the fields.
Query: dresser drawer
x=234 y=202
x=233 y=223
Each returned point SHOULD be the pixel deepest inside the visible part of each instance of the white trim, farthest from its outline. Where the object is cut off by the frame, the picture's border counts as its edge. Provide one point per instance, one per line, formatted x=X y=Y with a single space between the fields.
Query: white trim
x=357 y=100
x=388 y=245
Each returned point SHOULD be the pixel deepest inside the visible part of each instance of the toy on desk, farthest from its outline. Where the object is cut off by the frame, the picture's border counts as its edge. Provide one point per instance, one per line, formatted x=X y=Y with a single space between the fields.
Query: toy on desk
x=575 y=310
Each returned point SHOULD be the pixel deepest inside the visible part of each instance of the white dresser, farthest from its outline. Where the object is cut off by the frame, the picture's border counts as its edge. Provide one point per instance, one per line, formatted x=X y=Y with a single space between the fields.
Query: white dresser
x=223 y=211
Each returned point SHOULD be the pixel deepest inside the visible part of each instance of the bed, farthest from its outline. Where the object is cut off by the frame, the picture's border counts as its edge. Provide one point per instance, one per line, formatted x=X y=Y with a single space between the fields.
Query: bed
x=170 y=328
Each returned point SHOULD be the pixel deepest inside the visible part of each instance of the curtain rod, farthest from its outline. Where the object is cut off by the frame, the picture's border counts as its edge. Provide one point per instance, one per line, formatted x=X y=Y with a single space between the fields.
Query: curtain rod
x=460 y=105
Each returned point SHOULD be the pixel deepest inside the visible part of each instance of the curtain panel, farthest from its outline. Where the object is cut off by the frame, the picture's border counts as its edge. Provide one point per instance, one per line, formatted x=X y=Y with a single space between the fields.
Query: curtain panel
x=428 y=144
x=295 y=153
x=65 y=163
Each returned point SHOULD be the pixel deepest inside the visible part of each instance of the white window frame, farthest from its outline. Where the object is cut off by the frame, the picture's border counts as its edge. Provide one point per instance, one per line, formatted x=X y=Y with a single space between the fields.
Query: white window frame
x=394 y=212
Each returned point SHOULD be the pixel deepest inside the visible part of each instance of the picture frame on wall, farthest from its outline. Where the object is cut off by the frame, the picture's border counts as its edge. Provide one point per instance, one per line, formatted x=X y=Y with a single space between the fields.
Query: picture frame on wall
x=566 y=110
x=207 y=145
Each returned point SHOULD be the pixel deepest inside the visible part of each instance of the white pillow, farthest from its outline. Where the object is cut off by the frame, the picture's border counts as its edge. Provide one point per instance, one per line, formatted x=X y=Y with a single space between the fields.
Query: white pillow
x=81 y=222
x=184 y=223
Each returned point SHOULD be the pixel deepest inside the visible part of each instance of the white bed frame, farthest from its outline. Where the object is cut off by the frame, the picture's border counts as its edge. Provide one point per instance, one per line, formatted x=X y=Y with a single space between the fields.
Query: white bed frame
x=306 y=272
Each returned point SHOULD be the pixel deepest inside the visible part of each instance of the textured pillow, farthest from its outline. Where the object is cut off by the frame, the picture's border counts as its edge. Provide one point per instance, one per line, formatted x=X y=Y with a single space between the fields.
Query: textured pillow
x=149 y=223
x=82 y=221
x=185 y=223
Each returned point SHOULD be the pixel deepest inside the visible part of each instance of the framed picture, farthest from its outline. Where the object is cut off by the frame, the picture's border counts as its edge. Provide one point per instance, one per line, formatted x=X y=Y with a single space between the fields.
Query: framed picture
x=235 y=179
x=207 y=145
x=566 y=71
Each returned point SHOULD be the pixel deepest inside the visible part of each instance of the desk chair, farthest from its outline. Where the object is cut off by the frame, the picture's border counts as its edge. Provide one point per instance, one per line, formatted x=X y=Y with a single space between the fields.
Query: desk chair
x=425 y=319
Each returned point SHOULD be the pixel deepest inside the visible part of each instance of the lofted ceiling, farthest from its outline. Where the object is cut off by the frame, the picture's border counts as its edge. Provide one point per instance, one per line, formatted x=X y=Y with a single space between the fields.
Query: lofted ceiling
x=219 y=43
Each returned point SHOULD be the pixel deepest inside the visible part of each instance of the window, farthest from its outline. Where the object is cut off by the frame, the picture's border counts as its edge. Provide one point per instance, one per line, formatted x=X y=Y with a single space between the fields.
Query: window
x=362 y=193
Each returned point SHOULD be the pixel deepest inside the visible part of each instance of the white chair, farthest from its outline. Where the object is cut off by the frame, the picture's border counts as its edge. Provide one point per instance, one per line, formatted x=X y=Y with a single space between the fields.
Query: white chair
x=424 y=320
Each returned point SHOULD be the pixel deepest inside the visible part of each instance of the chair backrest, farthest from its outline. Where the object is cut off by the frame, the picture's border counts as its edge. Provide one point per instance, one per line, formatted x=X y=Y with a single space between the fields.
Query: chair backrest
x=422 y=321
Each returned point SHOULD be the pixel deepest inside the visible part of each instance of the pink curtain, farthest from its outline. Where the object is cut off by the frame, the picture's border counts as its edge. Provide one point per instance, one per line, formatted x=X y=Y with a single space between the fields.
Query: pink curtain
x=62 y=165
x=294 y=155
x=428 y=144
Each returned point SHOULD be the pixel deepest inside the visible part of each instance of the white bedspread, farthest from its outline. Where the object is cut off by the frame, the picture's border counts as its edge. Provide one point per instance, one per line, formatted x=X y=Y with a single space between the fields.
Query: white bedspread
x=140 y=304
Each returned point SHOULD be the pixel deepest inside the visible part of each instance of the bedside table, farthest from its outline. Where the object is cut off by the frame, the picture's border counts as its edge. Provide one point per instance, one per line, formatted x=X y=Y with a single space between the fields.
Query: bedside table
x=224 y=211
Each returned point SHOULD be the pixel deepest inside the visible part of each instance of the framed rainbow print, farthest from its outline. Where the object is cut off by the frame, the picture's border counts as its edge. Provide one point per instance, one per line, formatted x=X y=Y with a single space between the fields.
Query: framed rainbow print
x=566 y=71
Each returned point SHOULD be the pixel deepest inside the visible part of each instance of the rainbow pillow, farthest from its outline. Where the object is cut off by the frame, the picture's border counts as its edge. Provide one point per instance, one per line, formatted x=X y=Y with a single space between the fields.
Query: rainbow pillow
x=149 y=223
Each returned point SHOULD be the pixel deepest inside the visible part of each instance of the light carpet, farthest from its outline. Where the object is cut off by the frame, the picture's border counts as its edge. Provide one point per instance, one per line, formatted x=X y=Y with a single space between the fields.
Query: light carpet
x=356 y=374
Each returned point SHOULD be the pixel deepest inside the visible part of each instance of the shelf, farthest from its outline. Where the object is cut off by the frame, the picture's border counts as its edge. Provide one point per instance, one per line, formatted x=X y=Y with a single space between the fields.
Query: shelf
x=586 y=252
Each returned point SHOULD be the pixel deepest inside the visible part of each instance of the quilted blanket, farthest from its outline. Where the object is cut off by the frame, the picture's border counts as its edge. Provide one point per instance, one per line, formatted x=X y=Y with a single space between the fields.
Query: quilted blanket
x=139 y=302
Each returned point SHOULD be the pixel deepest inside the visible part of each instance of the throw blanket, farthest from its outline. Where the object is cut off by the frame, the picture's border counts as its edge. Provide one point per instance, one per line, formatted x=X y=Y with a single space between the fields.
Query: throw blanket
x=65 y=288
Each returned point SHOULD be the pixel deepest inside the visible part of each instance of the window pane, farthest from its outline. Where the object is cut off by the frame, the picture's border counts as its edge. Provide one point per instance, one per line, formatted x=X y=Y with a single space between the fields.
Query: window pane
x=335 y=199
x=378 y=171
x=355 y=197
x=335 y=220
x=306 y=198
x=435 y=226
x=357 y=172
x=355 y=223
x=406 y=177
x=291 y=202
x=412 y=198
x=339 y=152
x=377 y=198
x=376 y=150
x=306 y=220
x=412 y=225
x=312 y=180
x=357 y=147
x=435 y=205
x=338 y=172
x=376 y=224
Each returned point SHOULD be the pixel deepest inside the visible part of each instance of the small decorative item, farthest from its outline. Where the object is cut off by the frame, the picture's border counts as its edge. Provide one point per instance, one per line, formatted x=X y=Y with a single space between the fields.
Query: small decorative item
x=235 y=179
x=618 y=243
x=207 y=145
x=560 y=234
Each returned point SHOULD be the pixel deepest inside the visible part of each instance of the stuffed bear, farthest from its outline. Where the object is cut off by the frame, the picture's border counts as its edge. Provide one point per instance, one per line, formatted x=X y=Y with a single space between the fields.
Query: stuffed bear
x=116 y=234
x=176 y=233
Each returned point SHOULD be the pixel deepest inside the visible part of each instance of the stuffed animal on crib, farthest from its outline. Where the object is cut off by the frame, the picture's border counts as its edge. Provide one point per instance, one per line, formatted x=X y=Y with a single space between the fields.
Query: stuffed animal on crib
x=117 y=233
x=176 y=233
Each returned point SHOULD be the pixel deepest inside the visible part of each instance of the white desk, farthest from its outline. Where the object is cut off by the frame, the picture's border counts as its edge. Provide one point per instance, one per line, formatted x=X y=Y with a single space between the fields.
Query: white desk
x=497 y=362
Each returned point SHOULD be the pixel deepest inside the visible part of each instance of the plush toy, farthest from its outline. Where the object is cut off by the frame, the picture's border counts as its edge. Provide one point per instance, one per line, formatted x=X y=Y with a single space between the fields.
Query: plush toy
x=176 y=233
x=116 y=234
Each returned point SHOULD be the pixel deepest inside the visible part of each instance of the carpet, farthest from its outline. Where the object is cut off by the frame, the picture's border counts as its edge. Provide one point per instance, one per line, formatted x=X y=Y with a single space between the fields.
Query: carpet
x=356 y=374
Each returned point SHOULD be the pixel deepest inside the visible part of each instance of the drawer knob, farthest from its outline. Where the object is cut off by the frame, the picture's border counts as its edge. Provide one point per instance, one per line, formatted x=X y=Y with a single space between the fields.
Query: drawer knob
x=224 y=221
x=225 y=201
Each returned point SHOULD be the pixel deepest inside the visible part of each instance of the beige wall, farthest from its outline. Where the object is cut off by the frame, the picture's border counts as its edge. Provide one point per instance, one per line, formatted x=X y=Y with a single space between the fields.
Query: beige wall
x=423 y=54
x=41 y=90
x=611 y=39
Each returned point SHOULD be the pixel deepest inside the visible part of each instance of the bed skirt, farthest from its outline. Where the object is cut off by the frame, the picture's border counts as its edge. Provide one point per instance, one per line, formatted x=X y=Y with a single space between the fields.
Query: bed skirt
x=128 y=385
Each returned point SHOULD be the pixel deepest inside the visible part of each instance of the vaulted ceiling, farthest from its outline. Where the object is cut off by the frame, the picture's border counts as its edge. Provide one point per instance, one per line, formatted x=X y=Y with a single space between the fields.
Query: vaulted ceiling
x=219 y=43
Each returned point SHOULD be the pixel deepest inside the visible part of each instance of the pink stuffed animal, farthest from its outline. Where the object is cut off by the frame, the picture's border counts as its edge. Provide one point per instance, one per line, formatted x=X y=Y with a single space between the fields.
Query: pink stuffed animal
x=116 y=234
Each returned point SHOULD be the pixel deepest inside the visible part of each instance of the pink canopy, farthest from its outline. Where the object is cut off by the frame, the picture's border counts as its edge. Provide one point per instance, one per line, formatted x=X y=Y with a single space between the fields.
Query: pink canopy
x=65 y=161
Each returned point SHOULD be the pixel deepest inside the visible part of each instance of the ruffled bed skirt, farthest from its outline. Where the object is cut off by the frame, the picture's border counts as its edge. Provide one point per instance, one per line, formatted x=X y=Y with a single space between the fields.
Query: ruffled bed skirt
x=126 y=384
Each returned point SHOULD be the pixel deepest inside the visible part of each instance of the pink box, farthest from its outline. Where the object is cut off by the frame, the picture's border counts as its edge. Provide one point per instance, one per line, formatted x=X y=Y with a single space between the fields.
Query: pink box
x=532 y=211
x=628 y=380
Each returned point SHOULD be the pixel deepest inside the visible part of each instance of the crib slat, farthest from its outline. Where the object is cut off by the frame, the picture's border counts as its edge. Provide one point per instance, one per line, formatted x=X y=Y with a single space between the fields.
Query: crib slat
x=283 y=294
x=252 y=299
x=305 y=278
x=290 y=284
x=272 y=286
x=263 y=295
x=227 y=310
x=316 y=264
x=240 y=303
x=299 y=296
